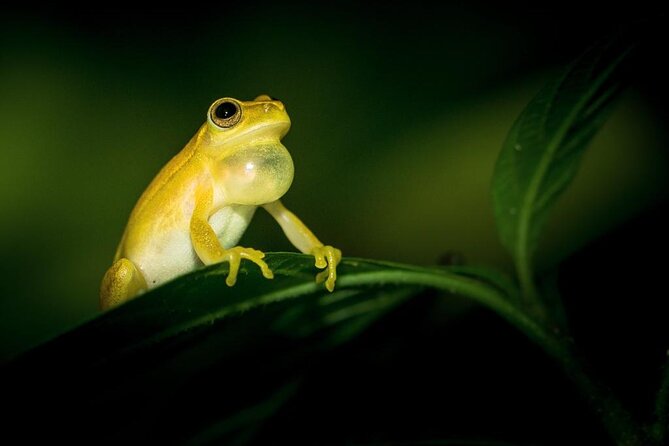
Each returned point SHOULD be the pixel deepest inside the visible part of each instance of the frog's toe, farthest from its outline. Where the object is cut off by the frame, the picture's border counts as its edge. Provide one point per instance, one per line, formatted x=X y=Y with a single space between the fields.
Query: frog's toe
x=329 y=276
x=234 y=257
x=234 y=262
x=327 y=257
x=266 y=272
x=319 y=258
x=257 y=257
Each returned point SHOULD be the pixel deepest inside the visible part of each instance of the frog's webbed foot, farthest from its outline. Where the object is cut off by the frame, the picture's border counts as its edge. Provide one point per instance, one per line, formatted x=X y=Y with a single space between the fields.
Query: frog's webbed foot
x=122 y=281
x=326 y=258
x=234 y=257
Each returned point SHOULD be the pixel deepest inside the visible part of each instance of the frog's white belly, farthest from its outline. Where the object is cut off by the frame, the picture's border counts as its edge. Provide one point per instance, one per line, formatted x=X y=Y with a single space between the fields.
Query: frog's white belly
x=171 y=254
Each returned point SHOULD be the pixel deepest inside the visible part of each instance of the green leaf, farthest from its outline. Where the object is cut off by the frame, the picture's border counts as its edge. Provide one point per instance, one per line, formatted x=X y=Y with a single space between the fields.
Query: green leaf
x=118 y=371
x=544 y=147
x=492 y=277
x=201 y=299
x=241 y=426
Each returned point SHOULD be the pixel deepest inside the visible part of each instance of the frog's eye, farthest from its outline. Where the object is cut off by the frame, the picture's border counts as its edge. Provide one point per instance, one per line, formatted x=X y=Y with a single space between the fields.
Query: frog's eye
x=225 y=113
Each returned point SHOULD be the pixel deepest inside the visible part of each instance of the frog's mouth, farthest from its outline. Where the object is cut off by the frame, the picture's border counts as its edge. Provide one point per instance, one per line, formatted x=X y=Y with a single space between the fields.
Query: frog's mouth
x=275 y=128
x=265 y=131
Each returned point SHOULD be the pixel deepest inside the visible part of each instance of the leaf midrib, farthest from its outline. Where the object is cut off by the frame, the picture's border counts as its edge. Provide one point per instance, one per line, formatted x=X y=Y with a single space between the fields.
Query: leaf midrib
x=395 y=274
x=522 y=252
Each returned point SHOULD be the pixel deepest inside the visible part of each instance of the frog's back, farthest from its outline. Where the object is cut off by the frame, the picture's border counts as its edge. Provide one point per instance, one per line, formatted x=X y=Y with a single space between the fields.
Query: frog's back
x=162 y=202
x=165 y=176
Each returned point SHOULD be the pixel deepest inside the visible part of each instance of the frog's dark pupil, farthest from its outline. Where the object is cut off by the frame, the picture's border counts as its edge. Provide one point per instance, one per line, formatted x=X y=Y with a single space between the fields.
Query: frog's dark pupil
x=225 y=110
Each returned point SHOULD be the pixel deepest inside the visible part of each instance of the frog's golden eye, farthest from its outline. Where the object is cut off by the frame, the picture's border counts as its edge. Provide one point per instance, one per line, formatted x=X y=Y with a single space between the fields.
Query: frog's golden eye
x=225 y=113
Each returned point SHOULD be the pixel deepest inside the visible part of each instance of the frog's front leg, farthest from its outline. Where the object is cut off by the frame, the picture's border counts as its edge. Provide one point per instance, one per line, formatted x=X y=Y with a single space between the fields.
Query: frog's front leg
x=208 y=247
x=122 y=281
x=326 y=257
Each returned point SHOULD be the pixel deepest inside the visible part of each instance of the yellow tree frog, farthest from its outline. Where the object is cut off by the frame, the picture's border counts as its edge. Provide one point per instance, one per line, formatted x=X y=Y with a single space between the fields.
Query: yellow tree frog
x=196 y=209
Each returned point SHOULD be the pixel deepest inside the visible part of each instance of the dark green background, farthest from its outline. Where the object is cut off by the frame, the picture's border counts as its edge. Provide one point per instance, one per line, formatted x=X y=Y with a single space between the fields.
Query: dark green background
x=398 y=114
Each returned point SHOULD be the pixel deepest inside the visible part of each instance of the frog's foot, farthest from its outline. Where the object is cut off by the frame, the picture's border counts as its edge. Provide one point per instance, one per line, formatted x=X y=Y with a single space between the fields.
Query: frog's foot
x=122 y=282
x=327 y=257
x=235 y=255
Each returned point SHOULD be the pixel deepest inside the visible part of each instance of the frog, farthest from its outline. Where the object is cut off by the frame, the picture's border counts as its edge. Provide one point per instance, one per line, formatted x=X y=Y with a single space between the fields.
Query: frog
x=196 y=209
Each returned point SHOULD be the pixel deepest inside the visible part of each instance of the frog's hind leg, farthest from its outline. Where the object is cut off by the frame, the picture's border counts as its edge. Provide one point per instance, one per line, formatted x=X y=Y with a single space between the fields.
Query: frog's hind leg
x=122 y=282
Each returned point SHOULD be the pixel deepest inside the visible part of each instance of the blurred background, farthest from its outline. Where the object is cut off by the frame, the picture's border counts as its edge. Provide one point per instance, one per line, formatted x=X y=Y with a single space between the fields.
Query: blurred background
x=398 y=113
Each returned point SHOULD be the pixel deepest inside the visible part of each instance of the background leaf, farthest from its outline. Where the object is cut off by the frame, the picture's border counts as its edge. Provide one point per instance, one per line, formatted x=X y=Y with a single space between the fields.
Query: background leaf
x=543 y=150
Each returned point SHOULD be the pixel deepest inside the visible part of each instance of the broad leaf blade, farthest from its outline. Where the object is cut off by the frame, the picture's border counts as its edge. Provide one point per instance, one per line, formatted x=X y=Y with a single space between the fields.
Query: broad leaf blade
x=544 y=147
x=201 y=299
x=116 y=373
x=144 y=370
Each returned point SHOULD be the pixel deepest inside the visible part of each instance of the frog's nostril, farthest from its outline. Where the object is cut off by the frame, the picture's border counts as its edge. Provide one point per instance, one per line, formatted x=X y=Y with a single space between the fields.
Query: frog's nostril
x=270 y=105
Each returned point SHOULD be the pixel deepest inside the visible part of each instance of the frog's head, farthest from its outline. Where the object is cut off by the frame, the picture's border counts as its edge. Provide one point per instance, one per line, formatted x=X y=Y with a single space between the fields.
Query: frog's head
x=243 y=140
